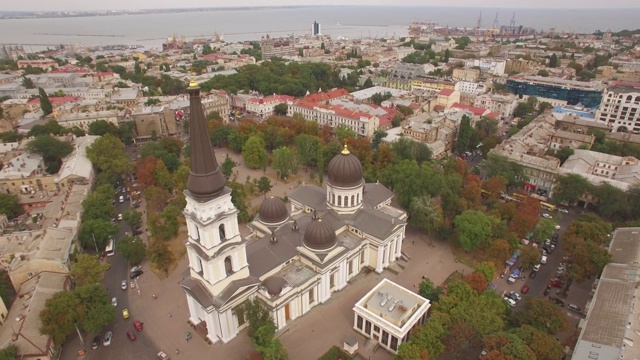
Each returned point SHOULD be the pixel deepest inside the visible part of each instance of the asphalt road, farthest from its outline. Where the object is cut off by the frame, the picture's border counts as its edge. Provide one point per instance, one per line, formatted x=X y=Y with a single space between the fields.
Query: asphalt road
x=121 y=347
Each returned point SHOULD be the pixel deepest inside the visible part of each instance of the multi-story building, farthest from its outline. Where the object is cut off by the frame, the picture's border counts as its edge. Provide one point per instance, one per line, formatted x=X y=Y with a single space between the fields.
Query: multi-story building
x=492 y=66
x=439 y=132
x=265 y=106
x=42 y=64
x=408 y=71
x=277 y=47
x=25 y=174
x=83 y=120
x=518 y=65
x=468 y=87
x=589 y=94
x=294 y=258
x=446 y=98
x=432 y=84
x=577 y=124
x=561 y=139
x=620 y=109
x=466 y=74
x=501 y=104
x=598 y=168
x=363 y=124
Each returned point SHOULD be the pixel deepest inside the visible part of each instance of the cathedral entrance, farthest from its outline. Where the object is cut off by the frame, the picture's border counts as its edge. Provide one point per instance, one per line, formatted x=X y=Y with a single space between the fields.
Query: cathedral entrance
x=287 y=316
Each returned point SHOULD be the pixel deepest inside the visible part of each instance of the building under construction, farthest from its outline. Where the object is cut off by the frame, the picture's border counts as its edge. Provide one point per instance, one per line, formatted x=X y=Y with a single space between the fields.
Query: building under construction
x=179 y=42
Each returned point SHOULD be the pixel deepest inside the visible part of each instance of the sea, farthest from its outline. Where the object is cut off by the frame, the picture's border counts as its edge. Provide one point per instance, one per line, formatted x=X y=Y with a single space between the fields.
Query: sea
x=351 y=22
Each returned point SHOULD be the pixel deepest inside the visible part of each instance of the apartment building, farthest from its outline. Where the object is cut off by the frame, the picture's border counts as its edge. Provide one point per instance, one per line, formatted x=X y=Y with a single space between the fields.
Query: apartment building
x=577 y=124
x=501 y=104
x=439 y=132
x=589 y=94
x=466 y=74
x=363 y=124
x=620 y=109
x=446 y=99
x=45 y=64
x=561 y=139
x=469 y=87
x=265 y=106
x=277 y=47
x=83 y=120
x=598 y=168
x=493 y=66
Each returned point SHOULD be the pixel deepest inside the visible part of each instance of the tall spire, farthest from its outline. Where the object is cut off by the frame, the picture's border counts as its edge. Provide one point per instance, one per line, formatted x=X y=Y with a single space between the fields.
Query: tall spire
x=205 y=179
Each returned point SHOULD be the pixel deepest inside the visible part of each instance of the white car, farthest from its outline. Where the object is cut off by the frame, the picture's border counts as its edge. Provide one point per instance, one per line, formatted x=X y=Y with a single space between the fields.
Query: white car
x=543 y=260
x=510 y=301
x=107 y=338
x=547 y=216
x=557 y=227
x=135 y=268
x=536 y=268
x=123 y=285
x=563 y=210
x=114 y=301
x=120 y=217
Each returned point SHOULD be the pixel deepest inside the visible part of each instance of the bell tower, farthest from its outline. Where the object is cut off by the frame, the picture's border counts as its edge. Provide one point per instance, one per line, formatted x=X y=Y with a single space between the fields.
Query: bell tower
x=217 y=253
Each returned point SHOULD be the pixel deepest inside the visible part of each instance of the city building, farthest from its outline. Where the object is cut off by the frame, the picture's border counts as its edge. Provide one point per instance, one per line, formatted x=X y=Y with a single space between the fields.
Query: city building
x=277 y=47
x=519 y=65
x=589 y=94
x=45 y=64
x=620 y=108
x=493 y=66
x=315 y=29
x=296 y=257
x=598 y=168
x=573 y=140
x=578 y=124
x=76 y=167
x=25 y=174
x=501 y=104
x=446 y=99
x=82 y=120
x=575 y=110
x=265 y=106
x=388 y=314
x=439 y=132
x=612 y=325
x=431 y=84
x=408 y=71
x=466 y=74
x=468 y=87
x=366 y=94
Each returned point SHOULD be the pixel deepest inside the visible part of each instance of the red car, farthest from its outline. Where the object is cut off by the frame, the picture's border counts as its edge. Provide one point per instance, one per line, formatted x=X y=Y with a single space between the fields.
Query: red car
x=131 y=335
x=138 y=325
x=556 y=284
x=524 y=290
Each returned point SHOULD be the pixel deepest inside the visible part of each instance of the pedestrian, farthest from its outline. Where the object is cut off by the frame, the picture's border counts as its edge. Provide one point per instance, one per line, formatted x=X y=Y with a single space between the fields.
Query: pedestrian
x=170 y=315
x=413 y=242
x=177 y=351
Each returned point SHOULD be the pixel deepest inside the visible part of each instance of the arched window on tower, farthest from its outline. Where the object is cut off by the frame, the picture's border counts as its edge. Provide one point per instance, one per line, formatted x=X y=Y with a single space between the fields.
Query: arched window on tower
x=223 y=236
x=353 y=198
x=333 y=198
x=358 y=198
x=339 y=200
x=346 y=200
x=228 y=266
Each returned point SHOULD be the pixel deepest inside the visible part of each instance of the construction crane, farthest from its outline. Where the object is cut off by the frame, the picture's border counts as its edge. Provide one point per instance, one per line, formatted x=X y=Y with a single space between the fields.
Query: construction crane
x=478 y=26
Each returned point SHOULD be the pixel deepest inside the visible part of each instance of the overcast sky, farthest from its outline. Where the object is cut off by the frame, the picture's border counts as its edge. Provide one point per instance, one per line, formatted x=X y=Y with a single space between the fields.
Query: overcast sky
x=47 y=5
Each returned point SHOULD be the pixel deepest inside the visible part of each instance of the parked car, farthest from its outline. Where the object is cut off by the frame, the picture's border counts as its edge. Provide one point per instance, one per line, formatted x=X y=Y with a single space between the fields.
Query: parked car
x=556 y=283
x=511 y=279
x=563 y=210
x=557 y=227
x=131 y=335
x=575 y=308
x=136 y=273
x=125 y=313
x=96 y=342
x=114 y=301
x=119 y=217
x=123 y=285
x=546 y=291
x=547 y=216
x=525 y=289
x=135 y=268
x=138 y=325
x=543 y=260
x=515 y=296
x=107 y=338
x=163 y=356
x=510 y=301
x=557 y=301
x=536 y=267
x=533 y=274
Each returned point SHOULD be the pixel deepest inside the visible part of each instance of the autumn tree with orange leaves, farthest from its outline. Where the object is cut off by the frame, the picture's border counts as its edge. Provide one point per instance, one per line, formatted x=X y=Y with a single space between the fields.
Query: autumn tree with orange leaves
x=526 y=217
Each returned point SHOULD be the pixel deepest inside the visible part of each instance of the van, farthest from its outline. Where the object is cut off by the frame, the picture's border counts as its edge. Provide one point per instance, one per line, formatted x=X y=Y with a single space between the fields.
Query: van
x=543 y=260
x=121 y=199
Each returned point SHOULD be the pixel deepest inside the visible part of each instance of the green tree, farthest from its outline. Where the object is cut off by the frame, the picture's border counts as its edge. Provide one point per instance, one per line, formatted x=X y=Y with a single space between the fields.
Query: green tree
x=107 y=154
x=487 y=269
x=281 y=109
x=563 y=154
x=254 y=152
x=132 y=248
x=379 y=98
x=425 y=213
x=467 y=136
x=529 y=256
x=378 y=135
x=367 y=83
x=161 y=256
x=51 y=127
x=100 y=127
x=132 y=217
x=569 y=188
x=45 y=104
x=95 y=233
x=542 y=314
x=60 y=316
x=553 y=61
x=28 y=83
x=227 y=167
x=473 y=228
x=10 y=352
x=87 y=269
x=430 y=291
x=522 y=109
x=544 y=345
x=97 y=205
x=501 y=167
x=343 y=132
x=264 y=185
x=285 y=161
x=95 y=309
x=545 y=229
x=309 y=149
x=50 y=147
x=9 y=206
x=256 y=314
x=543 y=73
x=7 y=292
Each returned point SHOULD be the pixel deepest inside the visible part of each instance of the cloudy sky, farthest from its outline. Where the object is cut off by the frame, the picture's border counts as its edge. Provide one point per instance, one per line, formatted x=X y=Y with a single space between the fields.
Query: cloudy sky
x=47 y=5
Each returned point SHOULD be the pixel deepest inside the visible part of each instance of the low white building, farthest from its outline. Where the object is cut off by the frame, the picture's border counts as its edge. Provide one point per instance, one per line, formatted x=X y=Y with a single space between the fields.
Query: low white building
x=388 y=313
x=83 y=120
x=265 y=107
x=361 y=123
x=598 y=168
x=492 y=66
x=501 y=104
x=470 y=87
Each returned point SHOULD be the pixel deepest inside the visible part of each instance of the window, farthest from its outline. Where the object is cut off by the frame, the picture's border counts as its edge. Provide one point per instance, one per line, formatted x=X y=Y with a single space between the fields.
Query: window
x=222 y=233
x=332 y=281
x=362 y=257
x=394 y=343
x=311 y=296
x=339 y=200
x=376 y=329
x=385 y=338
x=353 y=197
x=367 y=327
x=350 y=267
x=239 y=313
x=228 y=266
x=359 y=322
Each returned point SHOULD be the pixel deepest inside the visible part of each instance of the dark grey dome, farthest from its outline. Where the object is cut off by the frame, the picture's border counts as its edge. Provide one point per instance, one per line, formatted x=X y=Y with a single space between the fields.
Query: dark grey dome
x=273 y=211
x=319 y=236
x=274 y=285
x=345 y=170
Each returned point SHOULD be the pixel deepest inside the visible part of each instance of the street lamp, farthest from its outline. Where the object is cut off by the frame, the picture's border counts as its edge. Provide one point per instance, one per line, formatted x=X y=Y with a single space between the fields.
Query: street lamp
x=79 y=335
x=94 y=242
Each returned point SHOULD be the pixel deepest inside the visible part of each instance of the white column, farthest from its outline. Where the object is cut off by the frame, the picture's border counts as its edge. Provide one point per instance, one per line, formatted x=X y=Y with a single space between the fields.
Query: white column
x=342 y=272
x=325 y=291
x=193 y=309
x=227 y=325
x=379 y=266
x=213 y=327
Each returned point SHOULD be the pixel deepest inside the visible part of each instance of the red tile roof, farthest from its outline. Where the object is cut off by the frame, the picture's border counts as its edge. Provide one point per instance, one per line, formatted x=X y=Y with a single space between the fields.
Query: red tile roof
x=446 y=92
x=55 y=99
x=493 y=115
x=477 y=111
x=271 y=99
x=326 y=96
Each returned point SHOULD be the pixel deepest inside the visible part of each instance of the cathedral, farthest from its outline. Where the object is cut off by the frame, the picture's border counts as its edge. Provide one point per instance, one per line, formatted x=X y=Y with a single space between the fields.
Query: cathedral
x=298 y=253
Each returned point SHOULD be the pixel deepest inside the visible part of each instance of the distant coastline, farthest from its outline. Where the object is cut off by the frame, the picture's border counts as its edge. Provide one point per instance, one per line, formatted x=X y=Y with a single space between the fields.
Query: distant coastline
x=9 y=15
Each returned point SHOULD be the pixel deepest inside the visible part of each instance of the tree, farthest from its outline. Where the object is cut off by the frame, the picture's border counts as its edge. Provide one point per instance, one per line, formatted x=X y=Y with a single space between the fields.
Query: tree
x=161 y=256
x=425 y=213
x=543 y=73
x=522 y=109
x=563 y=154
x=467 y=136
x=569 y=188
x=95 y=233
x=7 y=292
x=10 y=352
x=227 y=167
x=262 y=330
x=97 y=205
x=526 y=217
x=542 y=314
x=529 y=256
x=254 y=152
x=343 y=132
x=309 y=149
x=9 y=206
x=430 y=291
x=87 y=269
x=367 y=83
x=95 y=310
x=507 y=346
x=107 y=154
x=49 y=147
x=45 y=104
x=281 y=109
x=59 y=316
x=378 y=135
x=264 y=185
x=499 y=251
x=132 y=217
x=477 y=281
x=545 y=229
x=553 y=61
x=544 y=345
x=132 y=248
x=487 y=269
x=100 y=127
x=285 y=161
x=256 y=314
x=28 y=83
x=473 y=228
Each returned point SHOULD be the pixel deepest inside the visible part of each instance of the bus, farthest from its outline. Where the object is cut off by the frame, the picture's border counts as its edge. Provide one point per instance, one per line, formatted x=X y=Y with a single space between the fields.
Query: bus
x=519 y=197
x=547 y=206
x=110 y=250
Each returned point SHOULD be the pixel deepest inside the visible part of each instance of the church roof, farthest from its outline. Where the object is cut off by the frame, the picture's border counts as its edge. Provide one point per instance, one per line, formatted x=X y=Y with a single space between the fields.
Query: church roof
x=205 y=179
